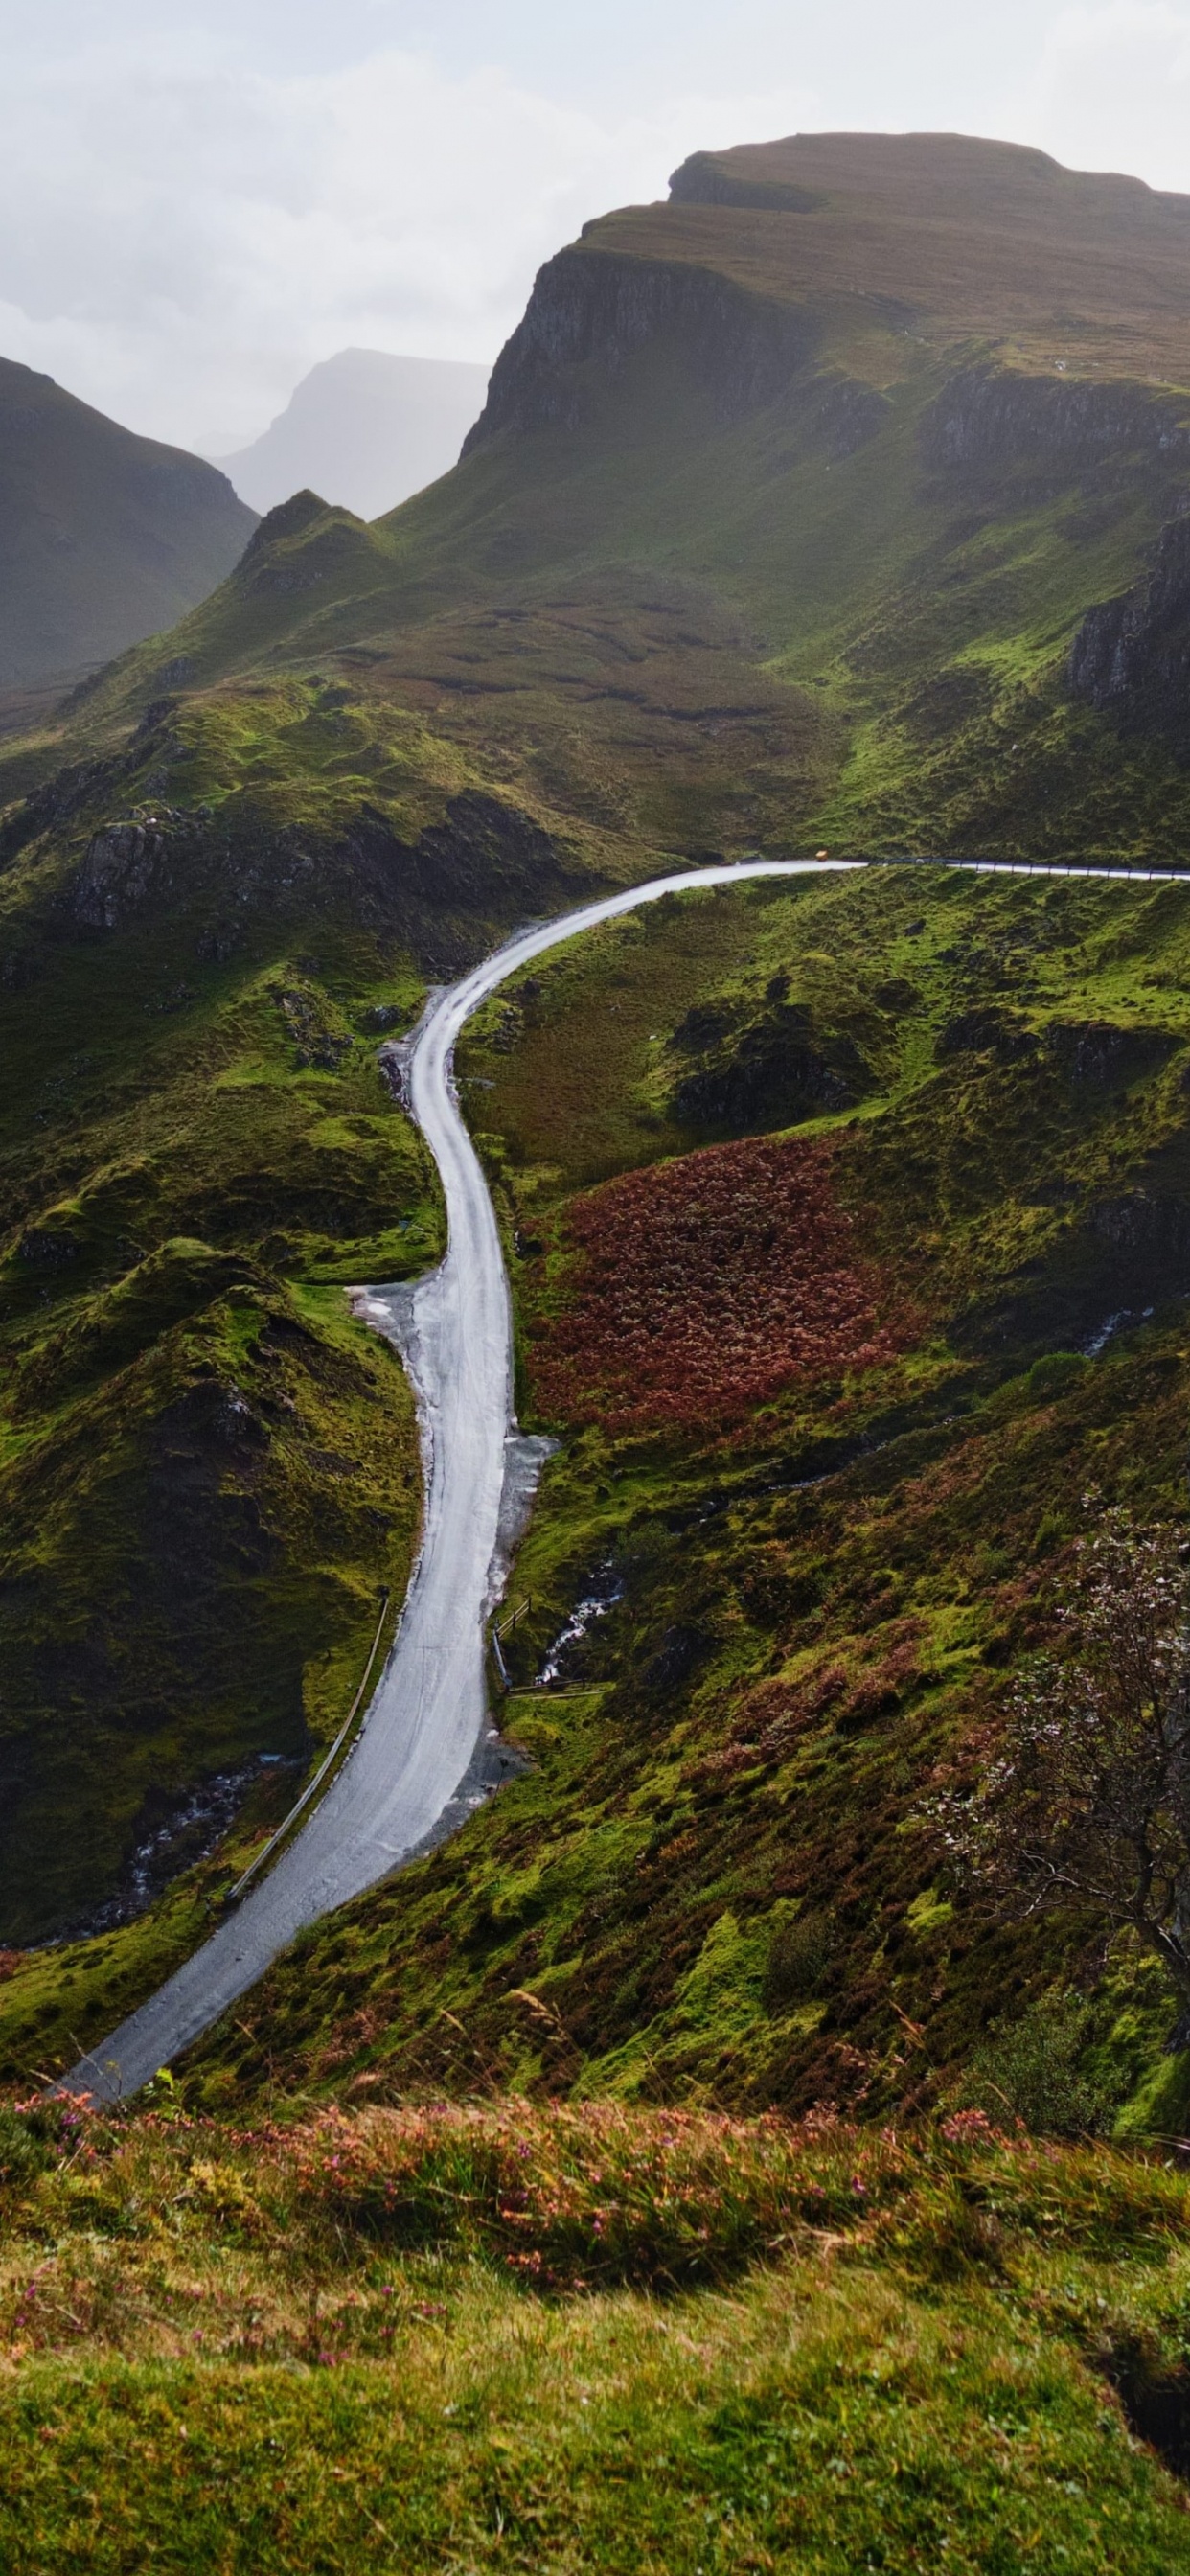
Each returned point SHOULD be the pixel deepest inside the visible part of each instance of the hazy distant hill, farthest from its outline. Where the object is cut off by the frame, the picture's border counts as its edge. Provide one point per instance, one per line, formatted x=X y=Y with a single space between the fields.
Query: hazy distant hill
x=366 y=428
x=104 y=537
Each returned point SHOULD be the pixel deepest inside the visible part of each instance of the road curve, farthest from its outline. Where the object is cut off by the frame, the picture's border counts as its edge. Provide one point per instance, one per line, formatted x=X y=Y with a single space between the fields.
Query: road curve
x=429 y=1711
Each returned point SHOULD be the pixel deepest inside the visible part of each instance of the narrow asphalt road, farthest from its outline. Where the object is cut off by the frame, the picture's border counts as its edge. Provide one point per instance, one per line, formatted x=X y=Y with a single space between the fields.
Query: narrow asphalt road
x=410 y=1763
x=414 y=1762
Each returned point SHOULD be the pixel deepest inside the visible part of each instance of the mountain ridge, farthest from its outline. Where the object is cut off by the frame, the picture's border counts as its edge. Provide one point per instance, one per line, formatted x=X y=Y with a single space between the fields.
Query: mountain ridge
x=105 y=536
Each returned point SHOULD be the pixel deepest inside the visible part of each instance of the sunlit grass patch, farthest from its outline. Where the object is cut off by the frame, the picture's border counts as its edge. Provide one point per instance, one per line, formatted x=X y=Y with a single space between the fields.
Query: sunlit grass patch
x=216 y=2352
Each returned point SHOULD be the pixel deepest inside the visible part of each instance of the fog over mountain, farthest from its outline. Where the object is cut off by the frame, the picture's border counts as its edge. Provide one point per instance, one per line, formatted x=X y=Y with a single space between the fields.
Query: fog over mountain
x=195 y=207
x=365 y=428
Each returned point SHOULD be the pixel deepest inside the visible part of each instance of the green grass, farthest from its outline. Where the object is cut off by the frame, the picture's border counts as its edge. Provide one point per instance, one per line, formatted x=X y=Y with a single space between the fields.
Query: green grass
x=664 y=627
x=717 y=1878
x=278 y=2352
x=207 y=1468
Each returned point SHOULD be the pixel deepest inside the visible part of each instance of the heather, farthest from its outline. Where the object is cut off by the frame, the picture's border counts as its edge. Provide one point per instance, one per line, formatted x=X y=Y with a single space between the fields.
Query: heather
x=707 y=1286
x=723 y=1875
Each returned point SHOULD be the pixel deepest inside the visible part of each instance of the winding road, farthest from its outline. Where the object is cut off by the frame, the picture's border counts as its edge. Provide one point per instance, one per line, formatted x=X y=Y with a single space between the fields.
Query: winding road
x=420 y=1761
x=425 y=1754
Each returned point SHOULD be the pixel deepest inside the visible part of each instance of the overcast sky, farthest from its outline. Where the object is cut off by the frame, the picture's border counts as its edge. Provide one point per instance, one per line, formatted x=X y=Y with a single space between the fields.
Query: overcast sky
x=199 y=198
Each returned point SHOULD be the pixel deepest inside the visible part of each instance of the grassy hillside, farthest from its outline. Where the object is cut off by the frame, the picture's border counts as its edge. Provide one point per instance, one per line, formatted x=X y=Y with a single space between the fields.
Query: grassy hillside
x=974 y=238
x=751 y=548
x=207 y=937
x=847 y=1222
x=607 y=2343
x=783 y=517
x=825 y=1453
x=104 y=537
x=207 y=1471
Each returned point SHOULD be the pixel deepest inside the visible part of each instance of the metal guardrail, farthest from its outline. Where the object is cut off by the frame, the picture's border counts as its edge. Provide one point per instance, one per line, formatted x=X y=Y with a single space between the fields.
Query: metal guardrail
x=1125 y=873
x=312 y=1786
x=504 y=1629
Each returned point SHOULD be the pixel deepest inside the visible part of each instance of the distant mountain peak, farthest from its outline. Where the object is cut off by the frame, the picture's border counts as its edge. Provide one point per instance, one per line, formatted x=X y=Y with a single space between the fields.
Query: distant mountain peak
x=366 y=427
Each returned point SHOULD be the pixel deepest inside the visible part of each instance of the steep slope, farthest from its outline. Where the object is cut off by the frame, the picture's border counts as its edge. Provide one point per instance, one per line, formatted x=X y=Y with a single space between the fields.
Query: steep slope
x=206 y=1470
x=104 y=537
x=850 y=1244
x=780 y=521
x=784 y=517
x=367 y=428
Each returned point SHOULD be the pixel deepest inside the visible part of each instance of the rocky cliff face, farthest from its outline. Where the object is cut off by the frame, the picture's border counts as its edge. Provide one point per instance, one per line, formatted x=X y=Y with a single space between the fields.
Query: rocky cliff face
x=701 y=181
x=485 y=858
x=590 y=311
x=995 y=417
x=1131 y=656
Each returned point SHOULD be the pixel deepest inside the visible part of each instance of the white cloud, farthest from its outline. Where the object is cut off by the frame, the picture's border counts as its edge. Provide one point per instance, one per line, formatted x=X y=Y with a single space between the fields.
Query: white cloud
x=1112 y=91
x=182 y=236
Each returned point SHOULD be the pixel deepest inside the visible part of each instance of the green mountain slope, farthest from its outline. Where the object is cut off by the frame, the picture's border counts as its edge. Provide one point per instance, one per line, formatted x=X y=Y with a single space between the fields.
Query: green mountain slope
x=785 y=515
x=836 y=499
x=206 y=1470
x=849 y=1228
x=104 y=537
x=807 y=1572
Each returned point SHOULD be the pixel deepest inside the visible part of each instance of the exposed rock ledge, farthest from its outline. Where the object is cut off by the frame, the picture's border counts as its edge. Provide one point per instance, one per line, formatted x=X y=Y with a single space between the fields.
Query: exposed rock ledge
x=998 y=416
x=702 y=181
x=1131 y=656
x=592 y=309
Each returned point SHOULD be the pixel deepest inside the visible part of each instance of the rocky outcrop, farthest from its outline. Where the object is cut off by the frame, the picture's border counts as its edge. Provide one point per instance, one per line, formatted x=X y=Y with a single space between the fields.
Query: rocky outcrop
x=1104 y=1056
x=314 y=1044
x=486 y=857
x=1085 y=1054
x=1131 y=656
x=847 y=414
x=591 y=310
x=985 y=1031
x=486 y=861
x=53 y=804
x=996 y=417
x=1146 y=1237
x=124 y=864
x=702 y=181
x=773 y=1072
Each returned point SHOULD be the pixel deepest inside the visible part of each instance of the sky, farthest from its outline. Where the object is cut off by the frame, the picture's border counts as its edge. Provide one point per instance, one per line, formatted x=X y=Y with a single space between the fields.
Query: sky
x=200 y=200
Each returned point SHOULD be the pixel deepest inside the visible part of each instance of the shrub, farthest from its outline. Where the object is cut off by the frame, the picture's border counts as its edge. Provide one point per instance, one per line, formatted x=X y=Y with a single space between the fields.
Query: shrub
x=798 y=1959
x=1029 y=2066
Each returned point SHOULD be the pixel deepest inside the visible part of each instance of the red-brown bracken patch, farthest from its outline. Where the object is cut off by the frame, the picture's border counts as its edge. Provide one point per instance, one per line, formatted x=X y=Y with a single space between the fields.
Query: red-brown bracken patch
x=706 y=1286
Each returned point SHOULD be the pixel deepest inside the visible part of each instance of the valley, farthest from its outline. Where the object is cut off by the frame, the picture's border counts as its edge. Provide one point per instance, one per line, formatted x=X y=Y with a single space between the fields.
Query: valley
x=681 y=926
x=719 y=1870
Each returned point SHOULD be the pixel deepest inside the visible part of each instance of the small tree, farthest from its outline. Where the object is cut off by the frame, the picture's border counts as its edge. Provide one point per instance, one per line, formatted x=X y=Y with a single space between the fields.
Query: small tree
x=1087 y=1802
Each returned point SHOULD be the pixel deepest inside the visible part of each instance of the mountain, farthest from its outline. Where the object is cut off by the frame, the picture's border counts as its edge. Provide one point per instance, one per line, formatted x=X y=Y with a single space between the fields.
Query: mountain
x=104 y=536
x=798 y=503
x=836 y=502
x=367 y=428
x=839 y=501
